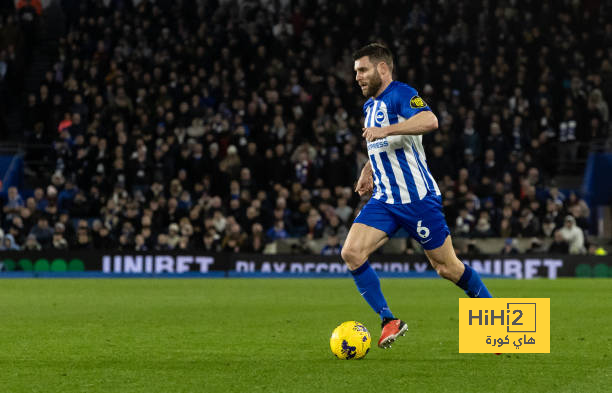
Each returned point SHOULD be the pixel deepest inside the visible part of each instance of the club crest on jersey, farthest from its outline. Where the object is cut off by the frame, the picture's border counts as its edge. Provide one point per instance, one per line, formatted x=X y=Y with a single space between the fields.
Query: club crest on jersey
x=417 y=102
x=380 y=116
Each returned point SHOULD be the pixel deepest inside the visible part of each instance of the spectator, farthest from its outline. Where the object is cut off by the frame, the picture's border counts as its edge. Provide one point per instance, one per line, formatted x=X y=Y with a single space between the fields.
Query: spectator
x=42 y=232
x=256 y=242
x=332 y=247
x=40 y=199
x=509 y=247
x=335 y=227
x=231 y=163
x=573 y=235
x=598 y=107
x=149 y=120
x=162 y=242
x=559 y=244
x=548 y=227
x=83 y=238
x=209 y=243
x=597 y=250
x=8 y=243
x=528 y=224
x=234 y=238
x=17 y=230
x=483 y=226
x=464 y=223
x=31 y=244
x=277 y=231
x=139 y=243
x=344 y=211
x=13 y=204
x=66 y=196
x=568 y=138
x=173 y=237
x=59 y=242
x=103 y=239
x=35 y=4
x=314 y=225
x=471 y=248
x=536 y=246
x=440 y=164
x=183 y=243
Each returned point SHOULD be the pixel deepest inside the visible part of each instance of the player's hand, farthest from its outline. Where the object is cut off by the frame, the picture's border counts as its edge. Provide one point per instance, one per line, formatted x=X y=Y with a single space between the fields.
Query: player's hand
x=373 y=133
x=365 y=185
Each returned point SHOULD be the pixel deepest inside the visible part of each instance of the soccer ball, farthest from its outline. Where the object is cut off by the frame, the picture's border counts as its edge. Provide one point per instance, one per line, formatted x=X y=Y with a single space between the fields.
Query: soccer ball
x=350 y=340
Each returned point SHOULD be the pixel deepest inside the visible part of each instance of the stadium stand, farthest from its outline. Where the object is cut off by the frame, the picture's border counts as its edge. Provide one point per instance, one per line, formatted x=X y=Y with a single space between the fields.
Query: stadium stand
x=236 y=125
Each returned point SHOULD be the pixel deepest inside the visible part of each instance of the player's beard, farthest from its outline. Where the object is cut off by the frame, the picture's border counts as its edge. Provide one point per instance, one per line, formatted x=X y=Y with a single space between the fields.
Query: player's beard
x=374 y=83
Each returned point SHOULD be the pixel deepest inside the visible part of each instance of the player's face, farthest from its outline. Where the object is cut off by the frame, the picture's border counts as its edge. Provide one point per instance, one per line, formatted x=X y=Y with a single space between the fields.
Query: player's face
x=367 y=76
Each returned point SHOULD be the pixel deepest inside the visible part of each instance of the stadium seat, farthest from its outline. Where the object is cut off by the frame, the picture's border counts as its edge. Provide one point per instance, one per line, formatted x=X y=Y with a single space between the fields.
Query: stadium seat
x=76 y=265
x=42 y=265
x=25 y=265
x=601 y=270
x=9 y=265
x=583 y=270
x=58 y=265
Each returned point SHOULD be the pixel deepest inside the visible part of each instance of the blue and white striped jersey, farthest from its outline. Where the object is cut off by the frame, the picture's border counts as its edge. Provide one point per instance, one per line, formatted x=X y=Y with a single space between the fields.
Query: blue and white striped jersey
x=400 y=169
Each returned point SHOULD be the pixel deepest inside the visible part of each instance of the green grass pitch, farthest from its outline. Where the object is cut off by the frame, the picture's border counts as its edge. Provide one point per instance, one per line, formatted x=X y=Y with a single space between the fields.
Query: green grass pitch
x=272 y=335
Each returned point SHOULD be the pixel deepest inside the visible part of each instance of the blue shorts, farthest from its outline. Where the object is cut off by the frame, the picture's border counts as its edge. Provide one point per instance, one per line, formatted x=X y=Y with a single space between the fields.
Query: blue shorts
x=424 y=219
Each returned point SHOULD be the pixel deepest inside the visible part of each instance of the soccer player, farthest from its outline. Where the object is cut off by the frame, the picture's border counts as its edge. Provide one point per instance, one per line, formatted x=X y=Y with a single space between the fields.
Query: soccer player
x=404 y=193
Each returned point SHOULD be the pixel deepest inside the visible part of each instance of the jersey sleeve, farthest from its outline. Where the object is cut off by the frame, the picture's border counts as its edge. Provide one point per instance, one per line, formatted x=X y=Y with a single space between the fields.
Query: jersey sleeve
x=365 y=106
x=408 y=102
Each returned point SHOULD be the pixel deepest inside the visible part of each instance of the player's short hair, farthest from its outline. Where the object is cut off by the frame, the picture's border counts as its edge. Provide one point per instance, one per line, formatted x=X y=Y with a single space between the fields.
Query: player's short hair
x=376 y=52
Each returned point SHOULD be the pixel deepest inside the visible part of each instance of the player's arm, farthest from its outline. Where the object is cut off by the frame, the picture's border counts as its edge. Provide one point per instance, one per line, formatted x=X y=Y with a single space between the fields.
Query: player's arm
x=419 y=124
x=365 y=183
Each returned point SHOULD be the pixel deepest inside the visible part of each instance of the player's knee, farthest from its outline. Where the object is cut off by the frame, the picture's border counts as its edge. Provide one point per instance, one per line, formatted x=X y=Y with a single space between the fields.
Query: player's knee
x=443 y=271
x=348 y=254
x=352 y=257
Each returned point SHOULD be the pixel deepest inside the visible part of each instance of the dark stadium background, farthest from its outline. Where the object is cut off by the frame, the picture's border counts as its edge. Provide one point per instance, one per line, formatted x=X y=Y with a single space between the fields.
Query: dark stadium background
x=145 y=142
x=235 y=126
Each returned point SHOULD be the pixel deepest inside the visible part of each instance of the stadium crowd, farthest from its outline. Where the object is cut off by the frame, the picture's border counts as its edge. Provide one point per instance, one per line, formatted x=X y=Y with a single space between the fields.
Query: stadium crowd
x=226 y=125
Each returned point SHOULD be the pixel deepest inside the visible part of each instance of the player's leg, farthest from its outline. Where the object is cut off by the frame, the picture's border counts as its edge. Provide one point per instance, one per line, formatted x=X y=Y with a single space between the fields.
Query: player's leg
x=446 y=263
x=371 y=230
x=425 y=222
x=361 y=241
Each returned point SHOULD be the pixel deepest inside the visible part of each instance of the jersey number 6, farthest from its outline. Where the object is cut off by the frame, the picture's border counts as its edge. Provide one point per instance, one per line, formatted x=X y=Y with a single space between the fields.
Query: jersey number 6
x=422 y=231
